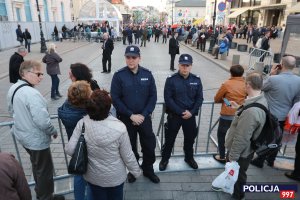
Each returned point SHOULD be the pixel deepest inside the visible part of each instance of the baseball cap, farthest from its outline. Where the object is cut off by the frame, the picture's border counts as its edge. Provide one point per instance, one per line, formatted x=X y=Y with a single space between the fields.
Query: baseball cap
x=185 y=59
x=132 y=51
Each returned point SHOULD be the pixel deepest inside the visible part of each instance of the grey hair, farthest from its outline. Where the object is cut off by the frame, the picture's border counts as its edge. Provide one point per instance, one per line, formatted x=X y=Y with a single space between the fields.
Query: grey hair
x=255 y=80
x=28 y=65
x=289 y=62
x=22 y=50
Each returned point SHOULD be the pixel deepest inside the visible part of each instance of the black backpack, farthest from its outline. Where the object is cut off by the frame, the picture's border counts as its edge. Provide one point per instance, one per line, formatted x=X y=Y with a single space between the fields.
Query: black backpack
x=269 y=139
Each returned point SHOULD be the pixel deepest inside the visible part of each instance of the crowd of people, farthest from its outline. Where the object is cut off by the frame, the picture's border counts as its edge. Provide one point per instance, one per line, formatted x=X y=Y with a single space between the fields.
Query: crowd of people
x=111 y=137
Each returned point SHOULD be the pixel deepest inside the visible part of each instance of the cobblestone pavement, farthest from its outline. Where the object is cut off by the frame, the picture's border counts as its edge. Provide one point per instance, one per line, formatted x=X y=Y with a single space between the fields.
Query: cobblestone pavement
x=180 y=185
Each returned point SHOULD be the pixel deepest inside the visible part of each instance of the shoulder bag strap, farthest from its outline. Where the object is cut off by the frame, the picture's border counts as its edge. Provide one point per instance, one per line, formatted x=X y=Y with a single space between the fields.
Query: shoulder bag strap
x=83 y=128
x=12 y=98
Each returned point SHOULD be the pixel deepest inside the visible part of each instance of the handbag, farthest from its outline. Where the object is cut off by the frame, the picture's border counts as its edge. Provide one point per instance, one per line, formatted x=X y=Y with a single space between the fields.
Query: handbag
x=79 y=160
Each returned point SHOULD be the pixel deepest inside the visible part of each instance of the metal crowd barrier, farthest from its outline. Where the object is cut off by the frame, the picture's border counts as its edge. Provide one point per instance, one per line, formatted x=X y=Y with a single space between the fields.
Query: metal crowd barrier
x=207 y=120
x=260 y=61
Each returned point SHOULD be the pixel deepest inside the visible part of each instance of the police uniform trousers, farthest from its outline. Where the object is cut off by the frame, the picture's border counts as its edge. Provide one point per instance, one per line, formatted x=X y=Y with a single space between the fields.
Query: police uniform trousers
x=147 y=141
x=189 y=131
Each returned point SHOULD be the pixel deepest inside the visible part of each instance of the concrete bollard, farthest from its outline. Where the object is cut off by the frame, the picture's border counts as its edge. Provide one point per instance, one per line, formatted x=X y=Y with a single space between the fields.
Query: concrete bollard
x=235 y=59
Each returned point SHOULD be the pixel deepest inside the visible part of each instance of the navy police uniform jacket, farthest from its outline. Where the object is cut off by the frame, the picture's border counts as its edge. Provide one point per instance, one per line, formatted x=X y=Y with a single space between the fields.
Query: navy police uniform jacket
x=133 y=93
x=183 y=94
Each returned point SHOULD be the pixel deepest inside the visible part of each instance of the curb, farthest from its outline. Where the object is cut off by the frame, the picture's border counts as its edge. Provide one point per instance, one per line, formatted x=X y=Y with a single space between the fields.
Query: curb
x=5 y=74
x=222 y=66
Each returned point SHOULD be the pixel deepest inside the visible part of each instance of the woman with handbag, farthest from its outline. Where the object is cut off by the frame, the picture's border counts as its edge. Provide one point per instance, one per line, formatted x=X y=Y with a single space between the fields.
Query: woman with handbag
x=70 y=113
x=52 y=59
x=108 y=147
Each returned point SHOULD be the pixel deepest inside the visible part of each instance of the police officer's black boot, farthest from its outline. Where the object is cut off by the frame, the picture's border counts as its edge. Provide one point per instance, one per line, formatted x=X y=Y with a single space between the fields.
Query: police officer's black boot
x=163 y=164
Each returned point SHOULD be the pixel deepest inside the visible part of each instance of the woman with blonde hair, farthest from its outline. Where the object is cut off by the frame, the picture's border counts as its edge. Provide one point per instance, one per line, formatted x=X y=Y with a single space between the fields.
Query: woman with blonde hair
x=70 y=113
x=52 y=59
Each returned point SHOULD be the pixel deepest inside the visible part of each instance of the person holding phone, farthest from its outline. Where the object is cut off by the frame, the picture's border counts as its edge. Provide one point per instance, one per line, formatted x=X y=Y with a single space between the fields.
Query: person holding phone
x=232 y=90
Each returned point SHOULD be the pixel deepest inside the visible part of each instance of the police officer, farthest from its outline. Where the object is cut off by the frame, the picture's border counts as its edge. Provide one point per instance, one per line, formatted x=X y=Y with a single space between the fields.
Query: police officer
x=183 y=96
x=133 y=92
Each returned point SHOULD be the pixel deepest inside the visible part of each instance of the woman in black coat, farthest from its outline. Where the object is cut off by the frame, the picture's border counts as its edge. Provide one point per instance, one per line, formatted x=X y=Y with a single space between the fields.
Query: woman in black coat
x=173 y=49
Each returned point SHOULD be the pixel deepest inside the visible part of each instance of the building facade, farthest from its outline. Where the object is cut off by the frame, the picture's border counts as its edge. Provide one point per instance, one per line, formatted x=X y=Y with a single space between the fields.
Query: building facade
x=258 y=12
x=26 y=10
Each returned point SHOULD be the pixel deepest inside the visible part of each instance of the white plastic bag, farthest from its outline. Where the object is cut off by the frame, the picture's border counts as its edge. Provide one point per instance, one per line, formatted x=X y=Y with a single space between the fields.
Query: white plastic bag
x=226 y=180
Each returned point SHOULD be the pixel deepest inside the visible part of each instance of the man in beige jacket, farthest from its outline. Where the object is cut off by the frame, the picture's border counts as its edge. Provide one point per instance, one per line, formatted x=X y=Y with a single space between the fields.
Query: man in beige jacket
x=246 y=125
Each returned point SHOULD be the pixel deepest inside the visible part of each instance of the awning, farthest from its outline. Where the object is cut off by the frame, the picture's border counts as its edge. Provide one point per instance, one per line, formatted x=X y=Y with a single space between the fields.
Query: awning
x=294 y=9
x=270 y=7
x=239 y=11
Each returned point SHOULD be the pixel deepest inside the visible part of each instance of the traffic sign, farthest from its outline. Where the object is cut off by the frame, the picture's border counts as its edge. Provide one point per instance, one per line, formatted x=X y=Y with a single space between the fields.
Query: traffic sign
x=222 y=6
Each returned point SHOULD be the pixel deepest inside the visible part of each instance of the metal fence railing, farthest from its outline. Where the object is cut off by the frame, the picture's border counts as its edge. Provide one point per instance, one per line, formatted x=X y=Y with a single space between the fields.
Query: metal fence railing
x=205 y=144
x=260 y=61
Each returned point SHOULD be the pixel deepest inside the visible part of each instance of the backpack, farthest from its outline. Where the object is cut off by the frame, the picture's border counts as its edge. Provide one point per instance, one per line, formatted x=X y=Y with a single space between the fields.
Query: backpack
x=269 y=140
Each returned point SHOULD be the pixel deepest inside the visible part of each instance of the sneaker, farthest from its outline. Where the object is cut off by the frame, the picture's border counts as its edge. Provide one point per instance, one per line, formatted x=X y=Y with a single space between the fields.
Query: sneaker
x=130 y=178
x=257 y=163
x=292 y=176
x=152 y=177
x=192 y=163
x=58 y=197
x=163 y=165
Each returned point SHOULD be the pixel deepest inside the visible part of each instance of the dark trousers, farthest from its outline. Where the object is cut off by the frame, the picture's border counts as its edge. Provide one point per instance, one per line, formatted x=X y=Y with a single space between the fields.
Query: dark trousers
x=249 y=38
x=172 y=61
x=242 y=178
x=107 y=193
x=224 y=125
x=270 y=157
x=129 y=39
x=189 y=132
x=147 y=141
x=106 y=58
x=55 y=84
x=202 y=46
x=143 y=42
x=42 y=169
x=156 y=38
x=136 y=40
x=27 y=45
x=296 y=171
x=124 y=40
x=164 y=39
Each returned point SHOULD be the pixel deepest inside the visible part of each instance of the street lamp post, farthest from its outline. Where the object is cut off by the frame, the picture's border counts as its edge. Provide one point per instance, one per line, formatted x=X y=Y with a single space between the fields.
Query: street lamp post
x=43 y=43
x=214 y=17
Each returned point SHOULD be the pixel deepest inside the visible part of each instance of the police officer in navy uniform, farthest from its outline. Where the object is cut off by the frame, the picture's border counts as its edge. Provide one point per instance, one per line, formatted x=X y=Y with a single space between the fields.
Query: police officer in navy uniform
x=183 y=97
x=133 y=92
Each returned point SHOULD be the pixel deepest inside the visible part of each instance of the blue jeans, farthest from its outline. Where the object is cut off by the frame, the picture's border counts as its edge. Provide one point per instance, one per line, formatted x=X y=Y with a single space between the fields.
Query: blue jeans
x=55 y=84
x=80 y=187
x=107 y=193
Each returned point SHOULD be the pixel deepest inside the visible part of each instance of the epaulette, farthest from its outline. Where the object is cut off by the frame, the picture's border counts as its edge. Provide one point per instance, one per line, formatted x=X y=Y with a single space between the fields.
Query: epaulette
x=194 y=75
x=172 y=75
x=122 y=69
x=145 y=69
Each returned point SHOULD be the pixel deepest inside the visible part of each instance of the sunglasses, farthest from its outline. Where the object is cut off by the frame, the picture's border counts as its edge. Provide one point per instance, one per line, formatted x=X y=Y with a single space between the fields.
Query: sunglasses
x=131 y=57
x=37 y=73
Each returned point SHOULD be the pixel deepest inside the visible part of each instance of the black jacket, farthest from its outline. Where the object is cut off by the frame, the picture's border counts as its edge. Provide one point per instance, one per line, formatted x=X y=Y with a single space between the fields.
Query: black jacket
x=26 y=36
x=173 y=46
x=14 y=66
x=108 y=48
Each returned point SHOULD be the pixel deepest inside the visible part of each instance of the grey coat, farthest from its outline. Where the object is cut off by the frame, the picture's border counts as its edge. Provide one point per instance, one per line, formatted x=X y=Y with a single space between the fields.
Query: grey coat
x=52 y=60
x=249 y=124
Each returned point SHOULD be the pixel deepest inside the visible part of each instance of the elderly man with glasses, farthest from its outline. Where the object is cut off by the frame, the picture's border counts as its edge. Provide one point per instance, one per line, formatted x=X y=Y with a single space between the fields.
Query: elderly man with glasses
x=32 y=126
x=133 y=92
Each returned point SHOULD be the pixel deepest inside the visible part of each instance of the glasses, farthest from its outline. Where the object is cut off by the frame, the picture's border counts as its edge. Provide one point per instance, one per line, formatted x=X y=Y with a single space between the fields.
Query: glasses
x=37 y=73
x=131 y=57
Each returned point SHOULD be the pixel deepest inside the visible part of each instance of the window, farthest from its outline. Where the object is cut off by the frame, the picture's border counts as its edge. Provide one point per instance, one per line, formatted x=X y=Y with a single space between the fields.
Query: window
x=257 y=2
x=18 y=12
x=28 y=11
x=3 y=12
x=46 y=11
x=246 y=3
x=62 y=12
